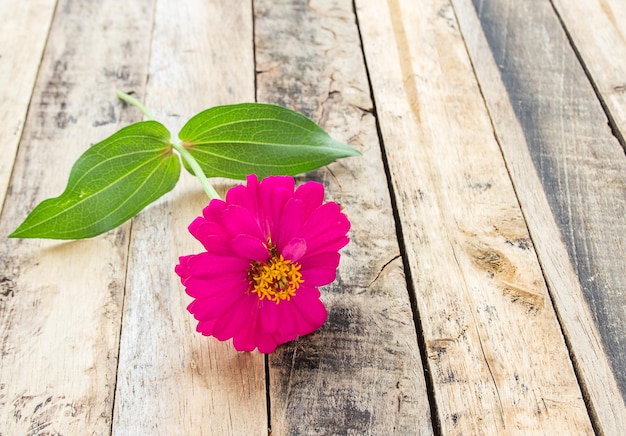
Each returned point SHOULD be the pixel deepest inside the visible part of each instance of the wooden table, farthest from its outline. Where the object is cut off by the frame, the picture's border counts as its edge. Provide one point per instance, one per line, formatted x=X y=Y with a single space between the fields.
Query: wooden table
x=484 y=288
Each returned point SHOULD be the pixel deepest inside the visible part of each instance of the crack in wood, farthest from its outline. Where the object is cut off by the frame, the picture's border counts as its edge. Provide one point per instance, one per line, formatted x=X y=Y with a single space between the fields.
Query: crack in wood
x=382 y=269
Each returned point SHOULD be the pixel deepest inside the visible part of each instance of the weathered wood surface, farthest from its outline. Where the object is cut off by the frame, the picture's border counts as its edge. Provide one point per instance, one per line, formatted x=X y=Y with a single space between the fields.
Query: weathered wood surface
x=482 y=291
x=597 y=30
x=173 y=379
x=479 y=288
x=539 y=97
x=362 y=372
x=24 y=24
x=60 y=305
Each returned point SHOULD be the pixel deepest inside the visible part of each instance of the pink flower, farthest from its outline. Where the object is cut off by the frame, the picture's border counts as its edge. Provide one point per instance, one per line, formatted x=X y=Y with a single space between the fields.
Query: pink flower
x=268 y=248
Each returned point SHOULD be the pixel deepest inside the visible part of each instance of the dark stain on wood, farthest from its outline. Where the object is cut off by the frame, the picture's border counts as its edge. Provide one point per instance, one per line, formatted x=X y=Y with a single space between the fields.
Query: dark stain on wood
x=55 y=94
x=107 y=116
x=338 y=361
x=523 y=243
x=42 y=411
x=7 y=287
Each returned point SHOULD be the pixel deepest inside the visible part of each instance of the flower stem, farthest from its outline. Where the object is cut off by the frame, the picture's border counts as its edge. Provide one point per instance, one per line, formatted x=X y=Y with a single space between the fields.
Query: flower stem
x=131 y=100
x=206 y=185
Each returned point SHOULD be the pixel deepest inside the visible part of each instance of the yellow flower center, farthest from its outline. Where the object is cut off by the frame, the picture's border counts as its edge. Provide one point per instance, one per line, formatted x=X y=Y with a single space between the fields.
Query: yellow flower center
x=278 y=279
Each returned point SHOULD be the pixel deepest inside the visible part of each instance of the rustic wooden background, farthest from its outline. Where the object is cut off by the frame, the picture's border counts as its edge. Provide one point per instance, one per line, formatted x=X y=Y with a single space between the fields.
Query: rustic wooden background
x=483 y=292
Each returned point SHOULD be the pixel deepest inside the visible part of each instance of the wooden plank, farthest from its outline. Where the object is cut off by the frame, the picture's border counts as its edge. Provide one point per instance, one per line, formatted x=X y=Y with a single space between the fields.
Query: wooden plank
x=540 y=100
x=60 y=302
x=495 y=350
x=177 y=381
x=361 y=373
x=598 y=31
x=24 y=24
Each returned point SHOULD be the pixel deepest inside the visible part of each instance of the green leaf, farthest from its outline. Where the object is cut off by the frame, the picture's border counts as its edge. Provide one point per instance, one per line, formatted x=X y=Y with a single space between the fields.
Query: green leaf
x=109 y=184
x=254 y=138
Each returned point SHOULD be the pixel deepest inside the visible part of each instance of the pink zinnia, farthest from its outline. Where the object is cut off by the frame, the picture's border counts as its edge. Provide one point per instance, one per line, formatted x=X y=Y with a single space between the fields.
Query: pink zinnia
x=268 y=248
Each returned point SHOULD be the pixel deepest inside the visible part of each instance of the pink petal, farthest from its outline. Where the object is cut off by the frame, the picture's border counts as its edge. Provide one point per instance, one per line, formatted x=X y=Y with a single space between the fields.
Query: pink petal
x=213 y=211
x=206 y=327
x=269 y=316
x=312 y=291
x=198 y=287
x=277 y=200
x=291 y=221
x=182 y=269
x=207 y=265
x=217 y=245
x=194 y=306
x=241 y=196
x=216 y=307
x=212 y=235
x=199 y=309
x=303 y=327
x=253 y=185
x=195 y=224
x=232 y=321
x=273 y=193
x=295 y=249
x=326 y=220
x=327 y=212
x=265 y=343
x=244 y=339
x=273 y=183
x=239 y=220
x=249 y=247
x=321 y=260
x=322 y=244
x=201 y=227
x=287 y=327
x=319 y=276
x=311 y=194
x=310 y=308
x=250 y=199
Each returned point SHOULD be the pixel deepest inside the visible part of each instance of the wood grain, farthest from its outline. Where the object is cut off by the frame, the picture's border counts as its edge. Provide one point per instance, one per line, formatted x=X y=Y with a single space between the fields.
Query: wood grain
x=361 y=373
x=495 y=349
x=24 y=24
x=596 y=27
x=569 y=162
x=174 y=379
x=60 y=302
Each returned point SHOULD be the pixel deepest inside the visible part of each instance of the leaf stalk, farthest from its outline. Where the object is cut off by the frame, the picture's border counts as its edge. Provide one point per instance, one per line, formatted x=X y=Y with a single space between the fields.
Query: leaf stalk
x=133 y=101
x=195 y=167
